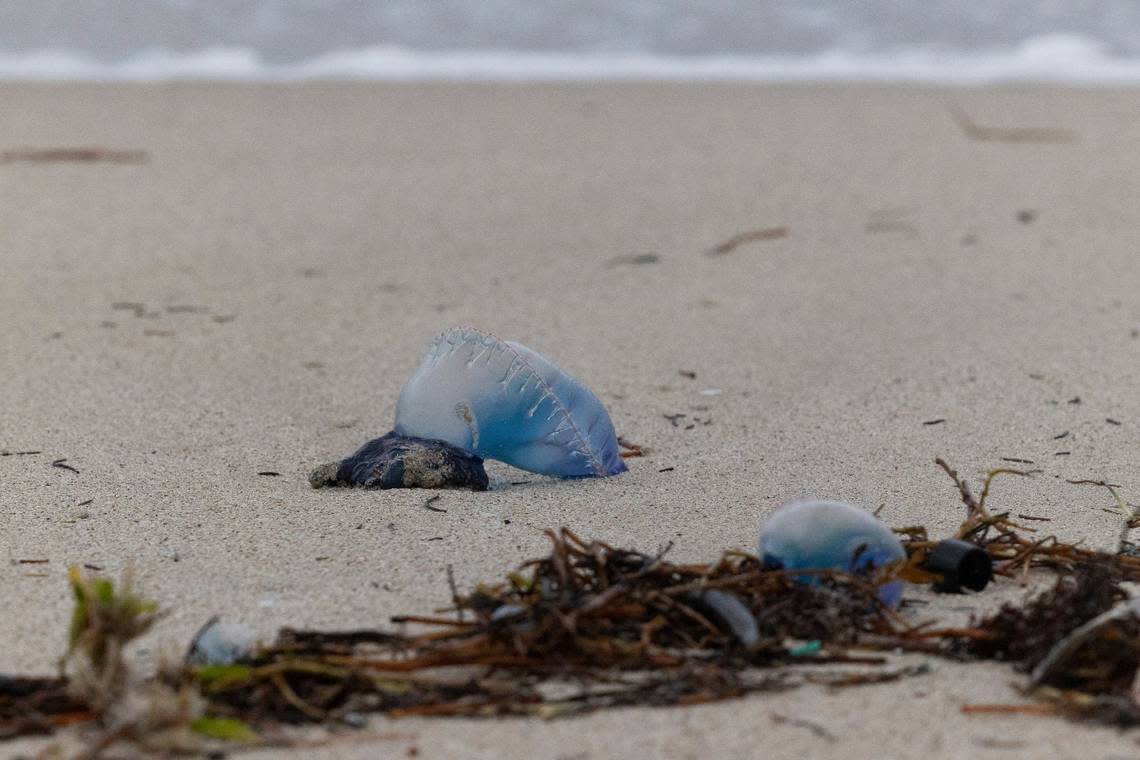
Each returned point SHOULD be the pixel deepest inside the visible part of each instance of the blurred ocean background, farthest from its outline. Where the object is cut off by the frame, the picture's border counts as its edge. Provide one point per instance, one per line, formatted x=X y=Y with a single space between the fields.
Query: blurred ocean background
x=1090 y=41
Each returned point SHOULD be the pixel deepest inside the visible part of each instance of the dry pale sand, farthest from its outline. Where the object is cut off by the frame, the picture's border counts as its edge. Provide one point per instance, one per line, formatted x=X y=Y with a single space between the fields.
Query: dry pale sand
x=294 y=249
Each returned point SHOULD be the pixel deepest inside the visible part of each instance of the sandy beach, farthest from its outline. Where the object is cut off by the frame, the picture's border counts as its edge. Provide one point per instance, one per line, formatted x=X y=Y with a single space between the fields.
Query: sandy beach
x=249 y=288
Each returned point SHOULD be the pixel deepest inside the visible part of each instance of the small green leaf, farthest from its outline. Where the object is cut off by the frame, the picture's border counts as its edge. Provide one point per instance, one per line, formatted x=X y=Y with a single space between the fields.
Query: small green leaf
x=104 y=590
x=226 y=729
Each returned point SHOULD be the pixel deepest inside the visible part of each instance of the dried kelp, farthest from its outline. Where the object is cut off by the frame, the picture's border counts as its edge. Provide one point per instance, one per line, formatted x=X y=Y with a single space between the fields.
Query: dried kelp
x=586 y=627
x=38 y=706
x=1005 y=540
x=1080 y=638
x=1025 y=634
x=613 y=626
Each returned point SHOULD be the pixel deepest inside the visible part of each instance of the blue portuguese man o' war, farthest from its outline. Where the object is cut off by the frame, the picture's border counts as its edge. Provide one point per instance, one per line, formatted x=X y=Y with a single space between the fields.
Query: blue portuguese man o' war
x=501 y=400
x=830 y=535
x=475 y=397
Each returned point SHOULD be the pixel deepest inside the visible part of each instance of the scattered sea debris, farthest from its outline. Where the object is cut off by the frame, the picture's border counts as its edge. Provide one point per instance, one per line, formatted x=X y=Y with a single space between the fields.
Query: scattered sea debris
x=590 y=626
x=1125 y=613
x=1079 y=641
x=832 y=535
x=587 y=627
x=400 y=461
x=501 y=400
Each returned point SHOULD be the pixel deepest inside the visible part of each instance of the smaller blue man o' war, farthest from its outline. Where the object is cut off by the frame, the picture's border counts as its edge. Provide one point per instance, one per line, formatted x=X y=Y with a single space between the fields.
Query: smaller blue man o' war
x=221 y=643
x=830 y=535
x=501 y=400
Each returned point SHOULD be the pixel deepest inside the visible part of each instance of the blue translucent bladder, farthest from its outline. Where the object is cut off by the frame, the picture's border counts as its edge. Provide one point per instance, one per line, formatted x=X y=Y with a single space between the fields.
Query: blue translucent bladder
x=221 y=643
x=830 y=535
x=501 y=400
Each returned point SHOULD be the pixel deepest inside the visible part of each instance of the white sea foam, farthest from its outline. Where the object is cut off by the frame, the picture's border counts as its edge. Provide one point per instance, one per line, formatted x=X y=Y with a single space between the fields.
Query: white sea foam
x=1052 y=58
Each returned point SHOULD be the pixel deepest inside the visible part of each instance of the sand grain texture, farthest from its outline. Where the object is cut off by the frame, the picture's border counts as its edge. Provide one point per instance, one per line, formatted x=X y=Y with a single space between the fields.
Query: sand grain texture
x=284 y=255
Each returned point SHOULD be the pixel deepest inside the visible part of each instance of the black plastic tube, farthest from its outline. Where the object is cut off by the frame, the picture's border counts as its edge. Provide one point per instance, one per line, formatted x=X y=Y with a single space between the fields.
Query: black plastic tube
x=961 y=564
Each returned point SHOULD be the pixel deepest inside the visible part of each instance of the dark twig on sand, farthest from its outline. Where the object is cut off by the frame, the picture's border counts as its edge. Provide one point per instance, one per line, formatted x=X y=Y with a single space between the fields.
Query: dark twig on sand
x=73 y=156
x=751 y=236
x=810 y=725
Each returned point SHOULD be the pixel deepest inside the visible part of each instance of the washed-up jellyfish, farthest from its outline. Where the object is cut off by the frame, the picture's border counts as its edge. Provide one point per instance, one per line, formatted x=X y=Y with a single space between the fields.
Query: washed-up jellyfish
x=221 y=643
x=830 y=535
x=501 y=400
